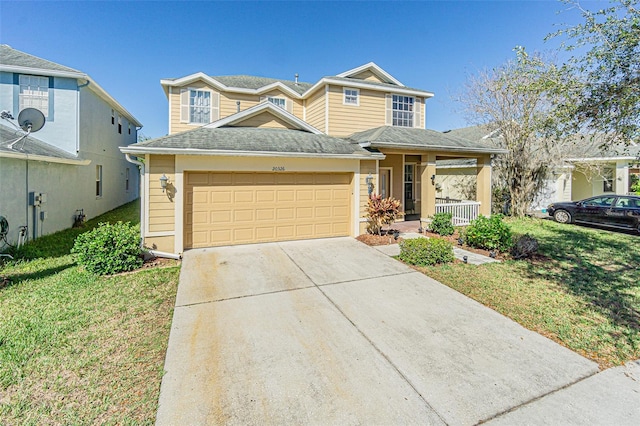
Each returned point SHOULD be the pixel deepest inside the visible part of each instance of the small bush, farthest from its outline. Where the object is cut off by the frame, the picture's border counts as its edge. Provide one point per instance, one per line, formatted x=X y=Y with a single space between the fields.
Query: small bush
x=524 y=246
x=442 y=224
x=380 y=212
x=426 y=251
x=109 y=249
x=490 y=233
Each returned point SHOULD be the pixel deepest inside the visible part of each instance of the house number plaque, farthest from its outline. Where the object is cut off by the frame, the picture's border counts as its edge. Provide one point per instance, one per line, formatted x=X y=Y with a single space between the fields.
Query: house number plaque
x=278 y=169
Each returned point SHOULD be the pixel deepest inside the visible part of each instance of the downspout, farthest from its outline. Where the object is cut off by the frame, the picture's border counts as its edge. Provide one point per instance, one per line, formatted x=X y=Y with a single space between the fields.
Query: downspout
x=156 y=253
x=80 y=86
x=140 y=165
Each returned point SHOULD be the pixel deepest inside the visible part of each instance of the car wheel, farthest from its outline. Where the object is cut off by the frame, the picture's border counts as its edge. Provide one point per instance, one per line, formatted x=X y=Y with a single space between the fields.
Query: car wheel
x=562 y=216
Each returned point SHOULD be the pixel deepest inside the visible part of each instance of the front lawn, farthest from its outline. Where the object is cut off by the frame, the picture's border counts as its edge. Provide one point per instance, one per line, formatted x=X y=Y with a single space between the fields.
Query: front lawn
x=583 y=293
x=80 y=349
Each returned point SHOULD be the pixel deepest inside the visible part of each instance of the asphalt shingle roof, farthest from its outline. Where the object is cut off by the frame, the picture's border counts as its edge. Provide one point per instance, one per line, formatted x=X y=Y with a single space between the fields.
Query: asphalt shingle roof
x=581 y=146
x=29 y=145
x=250 y=139
x=389 y=86
x=252 y=82
x=10 y=56
x=414 y=138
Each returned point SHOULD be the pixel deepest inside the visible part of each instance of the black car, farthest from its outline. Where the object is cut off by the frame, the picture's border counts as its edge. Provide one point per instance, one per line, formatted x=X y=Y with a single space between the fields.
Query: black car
x=618 y=211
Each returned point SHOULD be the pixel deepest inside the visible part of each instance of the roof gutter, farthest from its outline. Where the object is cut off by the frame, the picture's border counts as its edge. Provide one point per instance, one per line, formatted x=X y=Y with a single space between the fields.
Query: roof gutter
x=224 y=153
x=418 y=147
x=34 y=157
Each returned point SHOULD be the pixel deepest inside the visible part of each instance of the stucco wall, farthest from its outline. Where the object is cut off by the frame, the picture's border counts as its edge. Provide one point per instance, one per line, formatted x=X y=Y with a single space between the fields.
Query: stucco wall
x=69 y=187
x=60 y=127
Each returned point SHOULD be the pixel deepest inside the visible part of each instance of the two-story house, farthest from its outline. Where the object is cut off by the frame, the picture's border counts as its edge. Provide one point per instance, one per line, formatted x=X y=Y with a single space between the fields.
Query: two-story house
x=73 y=162
x=253 y=159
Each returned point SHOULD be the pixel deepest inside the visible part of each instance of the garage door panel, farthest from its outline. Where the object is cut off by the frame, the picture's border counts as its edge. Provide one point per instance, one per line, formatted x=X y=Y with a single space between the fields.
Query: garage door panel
x=265 y=195
x=220 y=196
x=304 y=195
x=304 y=213
x=243 y=196
x=285 y=232
x=244 y=215
x=265 y=214
x=285 y=213
x=286 y=195
x=239 y=208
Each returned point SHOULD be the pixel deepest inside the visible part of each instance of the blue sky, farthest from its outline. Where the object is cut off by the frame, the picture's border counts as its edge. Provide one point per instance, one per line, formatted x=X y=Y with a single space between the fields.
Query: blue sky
x=127 y=47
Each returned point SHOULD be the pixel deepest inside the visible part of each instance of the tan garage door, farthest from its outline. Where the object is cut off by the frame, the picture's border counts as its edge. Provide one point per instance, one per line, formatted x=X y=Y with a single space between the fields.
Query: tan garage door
x=241 y=208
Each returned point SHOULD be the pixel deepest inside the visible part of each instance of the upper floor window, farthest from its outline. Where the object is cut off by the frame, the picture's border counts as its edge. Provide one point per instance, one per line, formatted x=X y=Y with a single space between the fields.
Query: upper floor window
x=403 y=110
x=281 y=102
x=351 y=97
x=199 y=106
x=129 y=128
x=113 y=117
x=119 y=125
x=34 y=93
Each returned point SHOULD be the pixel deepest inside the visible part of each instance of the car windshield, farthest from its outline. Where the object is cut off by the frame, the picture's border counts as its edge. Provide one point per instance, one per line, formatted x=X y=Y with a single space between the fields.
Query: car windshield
x=599 y=202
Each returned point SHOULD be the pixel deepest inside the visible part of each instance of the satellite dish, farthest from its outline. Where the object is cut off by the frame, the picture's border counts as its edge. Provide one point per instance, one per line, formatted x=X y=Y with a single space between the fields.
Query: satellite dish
x=31 y=120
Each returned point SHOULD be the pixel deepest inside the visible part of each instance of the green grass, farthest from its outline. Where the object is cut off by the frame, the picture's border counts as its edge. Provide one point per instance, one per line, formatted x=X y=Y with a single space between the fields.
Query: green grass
x=584 y=293
x=76 y=348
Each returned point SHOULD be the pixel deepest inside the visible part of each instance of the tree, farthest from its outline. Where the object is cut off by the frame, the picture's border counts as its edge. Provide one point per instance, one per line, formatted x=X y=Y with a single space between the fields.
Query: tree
x=517 y=103
x=607 y=98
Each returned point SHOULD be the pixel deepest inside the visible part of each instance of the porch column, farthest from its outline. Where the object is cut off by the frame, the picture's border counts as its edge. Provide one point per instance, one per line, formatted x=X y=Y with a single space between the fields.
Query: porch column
x=427 y=189
x=483 y=184
x=622 y=177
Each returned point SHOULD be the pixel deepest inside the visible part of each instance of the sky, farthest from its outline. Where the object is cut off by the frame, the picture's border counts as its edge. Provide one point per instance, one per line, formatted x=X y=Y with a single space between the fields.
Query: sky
x=127 y=47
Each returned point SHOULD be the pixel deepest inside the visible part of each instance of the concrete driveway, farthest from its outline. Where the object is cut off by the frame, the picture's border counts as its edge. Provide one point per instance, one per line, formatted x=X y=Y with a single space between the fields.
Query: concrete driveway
x=334 y=332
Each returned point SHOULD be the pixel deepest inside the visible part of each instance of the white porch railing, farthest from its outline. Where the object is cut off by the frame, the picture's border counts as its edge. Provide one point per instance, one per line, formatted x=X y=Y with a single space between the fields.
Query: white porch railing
x=462 y=212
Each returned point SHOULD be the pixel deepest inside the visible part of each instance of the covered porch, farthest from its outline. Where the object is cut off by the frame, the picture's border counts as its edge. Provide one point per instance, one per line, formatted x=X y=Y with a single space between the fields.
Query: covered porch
x=409 y=171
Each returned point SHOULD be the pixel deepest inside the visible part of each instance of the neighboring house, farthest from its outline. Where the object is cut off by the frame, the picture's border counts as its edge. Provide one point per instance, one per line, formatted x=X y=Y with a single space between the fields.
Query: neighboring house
x=73 y=160
x=253 y=159
x=588 y=169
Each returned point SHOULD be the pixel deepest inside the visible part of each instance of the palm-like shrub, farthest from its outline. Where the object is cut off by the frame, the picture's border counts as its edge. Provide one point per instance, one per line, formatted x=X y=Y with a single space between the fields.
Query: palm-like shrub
x=380 y=212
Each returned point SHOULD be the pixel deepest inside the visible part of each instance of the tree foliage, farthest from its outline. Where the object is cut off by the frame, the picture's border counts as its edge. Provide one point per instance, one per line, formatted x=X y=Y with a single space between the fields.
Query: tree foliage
x=516 y=102
x=606 y=68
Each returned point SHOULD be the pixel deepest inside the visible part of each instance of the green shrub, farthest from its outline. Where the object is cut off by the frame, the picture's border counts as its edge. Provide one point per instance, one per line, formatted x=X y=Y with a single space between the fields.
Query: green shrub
x=109 y=249
x=442 y=224
x=426 y=251
x=490 y=233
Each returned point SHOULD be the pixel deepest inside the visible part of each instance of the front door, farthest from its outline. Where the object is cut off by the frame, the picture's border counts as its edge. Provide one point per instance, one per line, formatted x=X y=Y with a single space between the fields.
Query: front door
x=385 y=183
x=409 y=188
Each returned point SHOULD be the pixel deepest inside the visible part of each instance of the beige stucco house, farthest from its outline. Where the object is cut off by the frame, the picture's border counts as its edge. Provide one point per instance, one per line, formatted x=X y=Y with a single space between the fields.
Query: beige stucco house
x=252 y=159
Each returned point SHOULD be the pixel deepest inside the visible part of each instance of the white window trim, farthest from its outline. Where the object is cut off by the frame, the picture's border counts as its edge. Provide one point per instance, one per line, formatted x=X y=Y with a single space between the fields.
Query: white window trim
x=272 y=98
x=344 y=96
x=39 y=96
x=413 y=112
x=99 y=180
x=211 y=106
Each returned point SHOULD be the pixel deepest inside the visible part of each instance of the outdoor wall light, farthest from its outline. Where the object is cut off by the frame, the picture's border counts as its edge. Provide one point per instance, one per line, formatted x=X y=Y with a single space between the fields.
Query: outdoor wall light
x=433 y=179
x=163 y=182
x=369 y=181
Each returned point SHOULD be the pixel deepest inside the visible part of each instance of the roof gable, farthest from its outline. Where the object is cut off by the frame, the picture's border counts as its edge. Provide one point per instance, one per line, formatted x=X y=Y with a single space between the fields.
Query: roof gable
x=369 y=72
x=262 y=110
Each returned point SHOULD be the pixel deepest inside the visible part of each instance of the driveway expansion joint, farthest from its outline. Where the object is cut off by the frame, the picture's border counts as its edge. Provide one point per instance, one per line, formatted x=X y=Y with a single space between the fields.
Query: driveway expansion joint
x=364 y=279
x=537 y=398
x=244 y=296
